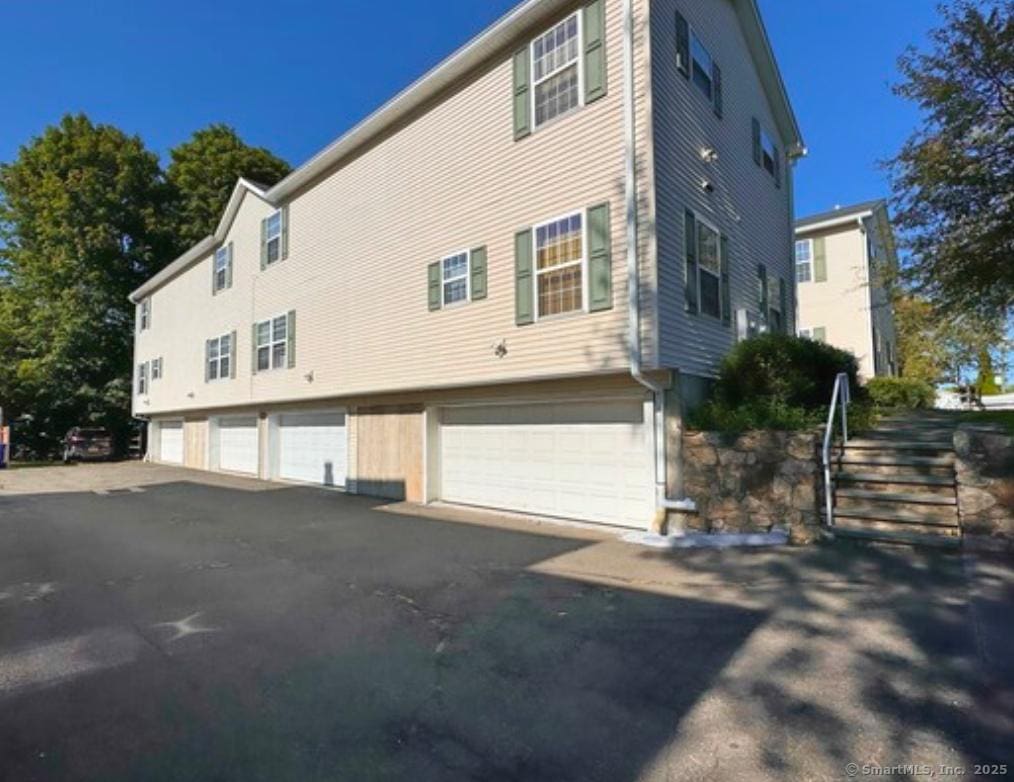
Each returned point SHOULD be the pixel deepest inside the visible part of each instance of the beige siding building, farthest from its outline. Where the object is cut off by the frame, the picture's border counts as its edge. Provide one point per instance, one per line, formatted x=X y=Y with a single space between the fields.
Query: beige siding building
x=501 y=288
x=844 y=261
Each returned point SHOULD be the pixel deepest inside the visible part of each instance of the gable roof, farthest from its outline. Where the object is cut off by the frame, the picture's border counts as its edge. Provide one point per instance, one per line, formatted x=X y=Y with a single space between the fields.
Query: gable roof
x=492 y=40
x=839 y=215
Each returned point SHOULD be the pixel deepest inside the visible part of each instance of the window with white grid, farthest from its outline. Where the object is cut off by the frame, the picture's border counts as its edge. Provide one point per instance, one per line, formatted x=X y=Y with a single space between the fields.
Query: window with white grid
x=221 y=268
x=804 y=260
x=219 y=357
x=273 y=237
x=272 y=343
x=710 y=265
x=556 y=60
x=559 y=265
x=454 y=269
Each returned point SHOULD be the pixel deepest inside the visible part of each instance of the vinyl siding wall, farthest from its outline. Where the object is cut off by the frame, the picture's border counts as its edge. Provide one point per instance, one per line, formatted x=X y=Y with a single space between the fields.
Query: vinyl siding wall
x=841 y=305
x=745 y=205
x=361 y=238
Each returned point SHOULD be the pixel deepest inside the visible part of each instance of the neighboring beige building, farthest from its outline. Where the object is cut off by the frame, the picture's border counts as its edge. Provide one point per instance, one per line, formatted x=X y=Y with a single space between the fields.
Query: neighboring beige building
x=501 y=288
x=844 y=261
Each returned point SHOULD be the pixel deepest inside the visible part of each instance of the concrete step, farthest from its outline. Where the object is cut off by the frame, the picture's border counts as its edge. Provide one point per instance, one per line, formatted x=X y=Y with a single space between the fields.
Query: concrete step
x=915 y=498
x=886 y=477
x=891 y=526
x=893 y=444
x=887 y=512
x=900 y=460
x=893 y=536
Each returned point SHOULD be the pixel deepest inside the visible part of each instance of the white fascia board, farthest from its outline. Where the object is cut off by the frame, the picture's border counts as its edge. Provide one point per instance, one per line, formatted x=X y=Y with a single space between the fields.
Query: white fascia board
x=851 y=217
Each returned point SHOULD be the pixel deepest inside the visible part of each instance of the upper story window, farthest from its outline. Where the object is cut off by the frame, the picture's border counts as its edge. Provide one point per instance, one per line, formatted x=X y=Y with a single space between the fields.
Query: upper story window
x=144 y=315
x=454 y=274
x=222 y=269
x=273 y=237
x=766 y=153
x=769 y=152
x=142 y=378
x=559 y=266
x=804 y=260
x=709 y=262
x=702 y=65
x=219 y=353
x=272 y=343
x=156 y=369
x=556 y=72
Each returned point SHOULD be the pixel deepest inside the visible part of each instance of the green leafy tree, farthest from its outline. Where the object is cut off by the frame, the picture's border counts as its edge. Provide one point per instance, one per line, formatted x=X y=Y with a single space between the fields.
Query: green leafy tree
x=83 y=221
x=954 y=178
x=921 y=353
x=203 y=172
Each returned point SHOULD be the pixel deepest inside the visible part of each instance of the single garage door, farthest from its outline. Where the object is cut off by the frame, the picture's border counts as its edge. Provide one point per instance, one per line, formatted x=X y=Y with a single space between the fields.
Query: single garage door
x=312 y=448
x=238 y=445
x=171 y=442
x=579 y=460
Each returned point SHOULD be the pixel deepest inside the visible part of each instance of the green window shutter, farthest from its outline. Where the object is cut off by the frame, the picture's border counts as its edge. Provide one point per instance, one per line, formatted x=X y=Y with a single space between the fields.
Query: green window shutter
x=228 y=268
x=819 y=260
x=232 y=355
x=207 y=359
x=756 y=141
x=600 y=267
x=726 y=286
x=524 y=295
x=285 y=232
x=290 y=338
x=682 y=44
x=820 y=334
x=477 y=268
x=594 y=51
x=690 y=232
x=253 y=350
x=433 y=279
x=716 y=82
x=264 y=244
x=522 y=89
x=783 y=302
x=762 y=289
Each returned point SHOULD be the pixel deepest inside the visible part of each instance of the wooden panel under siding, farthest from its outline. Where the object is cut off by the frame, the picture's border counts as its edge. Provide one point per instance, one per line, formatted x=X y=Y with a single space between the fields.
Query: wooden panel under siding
x=195 y=443
x=389 y=445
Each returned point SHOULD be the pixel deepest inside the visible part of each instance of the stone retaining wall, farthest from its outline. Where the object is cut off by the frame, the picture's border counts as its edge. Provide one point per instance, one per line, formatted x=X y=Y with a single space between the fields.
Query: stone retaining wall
x=985 y=471
x=753 y=482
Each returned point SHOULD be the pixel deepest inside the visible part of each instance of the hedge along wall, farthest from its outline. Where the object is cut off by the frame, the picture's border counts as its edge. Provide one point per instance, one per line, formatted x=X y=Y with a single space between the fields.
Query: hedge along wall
x=753 y=482
x=985 y=470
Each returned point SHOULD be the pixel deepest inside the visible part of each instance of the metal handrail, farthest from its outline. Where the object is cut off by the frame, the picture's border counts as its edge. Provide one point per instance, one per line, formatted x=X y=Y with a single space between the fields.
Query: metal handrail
x=840 y=397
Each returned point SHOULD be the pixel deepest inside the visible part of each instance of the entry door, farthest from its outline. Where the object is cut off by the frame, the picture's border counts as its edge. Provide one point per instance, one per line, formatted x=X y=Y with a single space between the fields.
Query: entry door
x=312 y=448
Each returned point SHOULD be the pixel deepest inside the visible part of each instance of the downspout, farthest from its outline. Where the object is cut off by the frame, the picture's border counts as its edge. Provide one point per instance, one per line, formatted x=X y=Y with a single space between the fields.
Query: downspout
x=662 y=501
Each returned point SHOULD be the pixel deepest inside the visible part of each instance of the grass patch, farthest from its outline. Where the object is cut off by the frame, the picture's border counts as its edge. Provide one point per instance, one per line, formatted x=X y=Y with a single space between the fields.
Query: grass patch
x=1004 y=418
x=33 y=465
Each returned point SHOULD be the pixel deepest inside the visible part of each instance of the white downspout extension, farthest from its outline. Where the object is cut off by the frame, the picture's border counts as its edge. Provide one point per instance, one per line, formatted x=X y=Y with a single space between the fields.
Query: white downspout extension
x=662 y=502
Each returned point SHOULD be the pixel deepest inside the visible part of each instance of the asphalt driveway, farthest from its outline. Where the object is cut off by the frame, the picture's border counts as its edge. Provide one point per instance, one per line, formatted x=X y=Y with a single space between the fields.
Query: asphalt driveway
x=159 y=624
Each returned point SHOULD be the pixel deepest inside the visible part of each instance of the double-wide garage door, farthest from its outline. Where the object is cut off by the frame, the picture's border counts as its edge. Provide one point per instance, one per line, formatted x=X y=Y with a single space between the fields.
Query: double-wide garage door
x=579 y=460
x=170 y=446
x=238 y=444
x=312 y=448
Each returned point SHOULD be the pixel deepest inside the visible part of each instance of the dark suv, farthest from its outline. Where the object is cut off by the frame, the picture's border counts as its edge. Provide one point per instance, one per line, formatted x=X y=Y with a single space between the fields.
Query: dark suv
x=81 y=444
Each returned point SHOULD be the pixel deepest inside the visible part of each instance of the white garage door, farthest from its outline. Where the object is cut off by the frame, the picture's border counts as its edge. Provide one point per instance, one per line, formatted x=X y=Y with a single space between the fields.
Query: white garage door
x=312 y=448
x=580 y=460
x=171 y=442
x=238 y=445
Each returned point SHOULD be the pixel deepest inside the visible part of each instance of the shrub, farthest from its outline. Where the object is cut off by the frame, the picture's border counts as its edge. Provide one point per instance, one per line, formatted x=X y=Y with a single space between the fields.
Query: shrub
x=791 y=371
x=776 y=382
x=901 y=392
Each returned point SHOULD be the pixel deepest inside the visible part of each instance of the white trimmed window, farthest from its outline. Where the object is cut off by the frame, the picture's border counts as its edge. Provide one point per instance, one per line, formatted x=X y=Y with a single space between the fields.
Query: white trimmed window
x=273 y=237
x=272 y=343
x=156 y=369
x=804 y=260
x=142 y=378
x=219 y=352
x=221 y=268
x=559 y=265
x=454 y=270
x=709 y=265
x=556 y=70
x=702 y=66
x=144 y=315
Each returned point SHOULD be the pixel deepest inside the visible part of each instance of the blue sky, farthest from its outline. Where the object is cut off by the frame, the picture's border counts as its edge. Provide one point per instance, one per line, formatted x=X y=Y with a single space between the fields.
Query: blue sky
x=293 y=76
